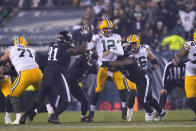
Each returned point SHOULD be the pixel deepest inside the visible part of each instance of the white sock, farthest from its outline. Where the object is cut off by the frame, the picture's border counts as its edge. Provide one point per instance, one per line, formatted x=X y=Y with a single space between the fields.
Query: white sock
x=18 y=115
x=49 y=109
x=130 y=109
x=7 y=114
x=123 y=104
x=92 y=108
x=36 y=111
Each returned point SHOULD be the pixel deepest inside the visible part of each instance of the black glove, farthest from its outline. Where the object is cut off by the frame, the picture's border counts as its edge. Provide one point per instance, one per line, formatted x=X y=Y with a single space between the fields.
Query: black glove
x=85 y=32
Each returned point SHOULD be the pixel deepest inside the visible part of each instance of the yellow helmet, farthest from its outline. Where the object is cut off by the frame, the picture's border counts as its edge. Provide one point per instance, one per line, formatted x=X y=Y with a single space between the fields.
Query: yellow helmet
x=194 y=36
x=19 y=40
x=134 y=42
x=106 y=24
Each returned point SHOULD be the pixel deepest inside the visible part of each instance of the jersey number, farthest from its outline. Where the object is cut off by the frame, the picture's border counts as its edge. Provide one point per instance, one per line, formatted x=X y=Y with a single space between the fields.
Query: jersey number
x=22 y=52
x=111 y=43
x=52 y=54
x=142 y=61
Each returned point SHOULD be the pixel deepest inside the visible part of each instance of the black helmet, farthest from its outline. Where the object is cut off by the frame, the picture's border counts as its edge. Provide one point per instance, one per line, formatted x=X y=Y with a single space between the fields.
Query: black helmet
x=64 y=36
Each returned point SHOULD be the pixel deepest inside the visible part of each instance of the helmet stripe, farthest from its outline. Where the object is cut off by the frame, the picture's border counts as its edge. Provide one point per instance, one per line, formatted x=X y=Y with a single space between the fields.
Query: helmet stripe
x=109 y=25
x=130 y=37
x=18 y=39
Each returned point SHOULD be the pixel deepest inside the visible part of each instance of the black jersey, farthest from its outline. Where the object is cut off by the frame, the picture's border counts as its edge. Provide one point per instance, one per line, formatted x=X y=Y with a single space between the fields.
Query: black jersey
x=58 y=60
x=132 y=71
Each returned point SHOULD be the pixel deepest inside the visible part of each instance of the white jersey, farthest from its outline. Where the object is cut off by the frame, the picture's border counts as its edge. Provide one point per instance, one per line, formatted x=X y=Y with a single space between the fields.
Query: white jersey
x=141 y=56
x=102 y=44
x=187 y=19
x=22 y=58
x=191 y=64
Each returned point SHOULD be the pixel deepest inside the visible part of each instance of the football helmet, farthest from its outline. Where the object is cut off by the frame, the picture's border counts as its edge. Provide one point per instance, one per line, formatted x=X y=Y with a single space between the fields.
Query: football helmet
x=106 y=27
x=133 y=42
x=194 y=36
x=19 y=40
x=64 y=36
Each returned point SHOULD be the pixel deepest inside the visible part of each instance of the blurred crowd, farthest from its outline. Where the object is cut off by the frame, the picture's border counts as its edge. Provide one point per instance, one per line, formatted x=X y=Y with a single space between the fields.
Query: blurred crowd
x=153 y=20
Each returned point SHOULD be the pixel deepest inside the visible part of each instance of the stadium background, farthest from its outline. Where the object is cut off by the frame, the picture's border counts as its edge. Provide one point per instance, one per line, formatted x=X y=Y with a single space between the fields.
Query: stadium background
x=39 y=21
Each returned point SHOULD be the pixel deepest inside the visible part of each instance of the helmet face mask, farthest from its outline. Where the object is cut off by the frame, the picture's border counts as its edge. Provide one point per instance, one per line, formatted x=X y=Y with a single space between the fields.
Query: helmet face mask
x=106 y=27
x=19 y=40
x=133 y=42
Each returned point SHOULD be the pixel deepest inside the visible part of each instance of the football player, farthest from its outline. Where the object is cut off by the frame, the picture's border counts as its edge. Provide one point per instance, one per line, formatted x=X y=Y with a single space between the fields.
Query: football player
x=142 y=54
x=190 y=71
x=138 y=75
x=5 y=87
x=54 y=76
x=108 y=47
x=23 y=60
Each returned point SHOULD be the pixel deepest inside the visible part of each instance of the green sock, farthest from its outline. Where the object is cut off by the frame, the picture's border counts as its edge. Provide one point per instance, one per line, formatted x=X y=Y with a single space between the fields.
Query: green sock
x=16 y=104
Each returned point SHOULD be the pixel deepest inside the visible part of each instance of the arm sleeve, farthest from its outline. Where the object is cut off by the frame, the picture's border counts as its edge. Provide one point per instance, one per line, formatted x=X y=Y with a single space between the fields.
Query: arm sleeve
x=92 y=43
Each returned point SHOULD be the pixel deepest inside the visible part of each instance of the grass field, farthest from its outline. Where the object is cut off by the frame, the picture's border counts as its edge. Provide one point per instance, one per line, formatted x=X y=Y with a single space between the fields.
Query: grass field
x=107 y=121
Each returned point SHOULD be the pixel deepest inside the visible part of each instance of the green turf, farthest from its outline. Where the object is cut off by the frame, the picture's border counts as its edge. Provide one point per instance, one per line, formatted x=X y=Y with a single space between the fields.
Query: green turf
x=107 y=121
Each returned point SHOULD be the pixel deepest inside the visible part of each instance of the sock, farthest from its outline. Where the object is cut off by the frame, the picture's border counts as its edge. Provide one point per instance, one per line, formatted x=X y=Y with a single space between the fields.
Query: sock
x=49 y=109
x=123 y=104
x=95 y=98
x=8 y=114
x=8 y=105
x=16 y=104
x=192 y=104
x=92 y=108
x=131 y=99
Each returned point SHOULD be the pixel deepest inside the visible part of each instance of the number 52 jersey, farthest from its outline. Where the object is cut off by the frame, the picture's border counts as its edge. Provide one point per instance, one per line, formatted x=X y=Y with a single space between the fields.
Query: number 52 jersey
x=23 y=58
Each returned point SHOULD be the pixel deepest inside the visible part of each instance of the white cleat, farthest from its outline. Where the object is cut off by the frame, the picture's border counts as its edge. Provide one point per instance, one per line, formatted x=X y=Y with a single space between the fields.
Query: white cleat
x=7 y=120
x=16 y=122
x=129 y=114
x=149 y=117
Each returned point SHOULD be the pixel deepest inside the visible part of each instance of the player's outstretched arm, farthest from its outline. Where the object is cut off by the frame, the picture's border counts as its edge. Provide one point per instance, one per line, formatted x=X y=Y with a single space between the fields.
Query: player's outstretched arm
x=118 y=63
x=6 y=56
x=77 y=50
x=179 y=55
x=151 y=57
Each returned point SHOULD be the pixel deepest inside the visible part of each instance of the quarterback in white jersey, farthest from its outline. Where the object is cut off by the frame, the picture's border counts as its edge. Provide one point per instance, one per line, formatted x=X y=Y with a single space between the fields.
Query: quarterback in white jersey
x=23 y=60
x=108 y=46
x=190 y=71
x=142 y=53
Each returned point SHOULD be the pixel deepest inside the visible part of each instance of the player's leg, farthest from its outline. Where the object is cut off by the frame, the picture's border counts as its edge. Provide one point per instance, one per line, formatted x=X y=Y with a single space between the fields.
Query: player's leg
x=80 y=95
x=101 y=79
x=118 y=80
x=169 y=86
x=6 y=89
x=142 y=91
x=131 y=93
x=64 y=92
x=190 y=88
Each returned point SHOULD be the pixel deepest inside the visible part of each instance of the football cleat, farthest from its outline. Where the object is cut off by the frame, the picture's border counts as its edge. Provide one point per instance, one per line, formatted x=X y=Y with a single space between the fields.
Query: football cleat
x=84 y=119
x=90 y=116
x=22 y=120
x=149 y=117
x=7 y=120
x=124 y=113
x=53 y=119
x=31 y=116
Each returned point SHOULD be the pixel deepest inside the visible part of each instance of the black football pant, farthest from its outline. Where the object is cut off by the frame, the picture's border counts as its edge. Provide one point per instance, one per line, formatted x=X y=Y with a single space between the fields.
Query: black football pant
x=145 y=97
x=52 y=80
x=169 y=86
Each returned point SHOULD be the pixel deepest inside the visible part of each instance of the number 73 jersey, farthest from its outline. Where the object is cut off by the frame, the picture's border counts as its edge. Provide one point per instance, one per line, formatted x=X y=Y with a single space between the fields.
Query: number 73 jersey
x=141 y=56
x=102 y=44
x=23 y=58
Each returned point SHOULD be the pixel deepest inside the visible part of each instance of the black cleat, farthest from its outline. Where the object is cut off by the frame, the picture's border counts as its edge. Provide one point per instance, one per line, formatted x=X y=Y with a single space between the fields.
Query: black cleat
x=124 y=113
x=90 y=117
x=31 y=116
x=84 y=119
x=53 y=119
x=22 y=120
